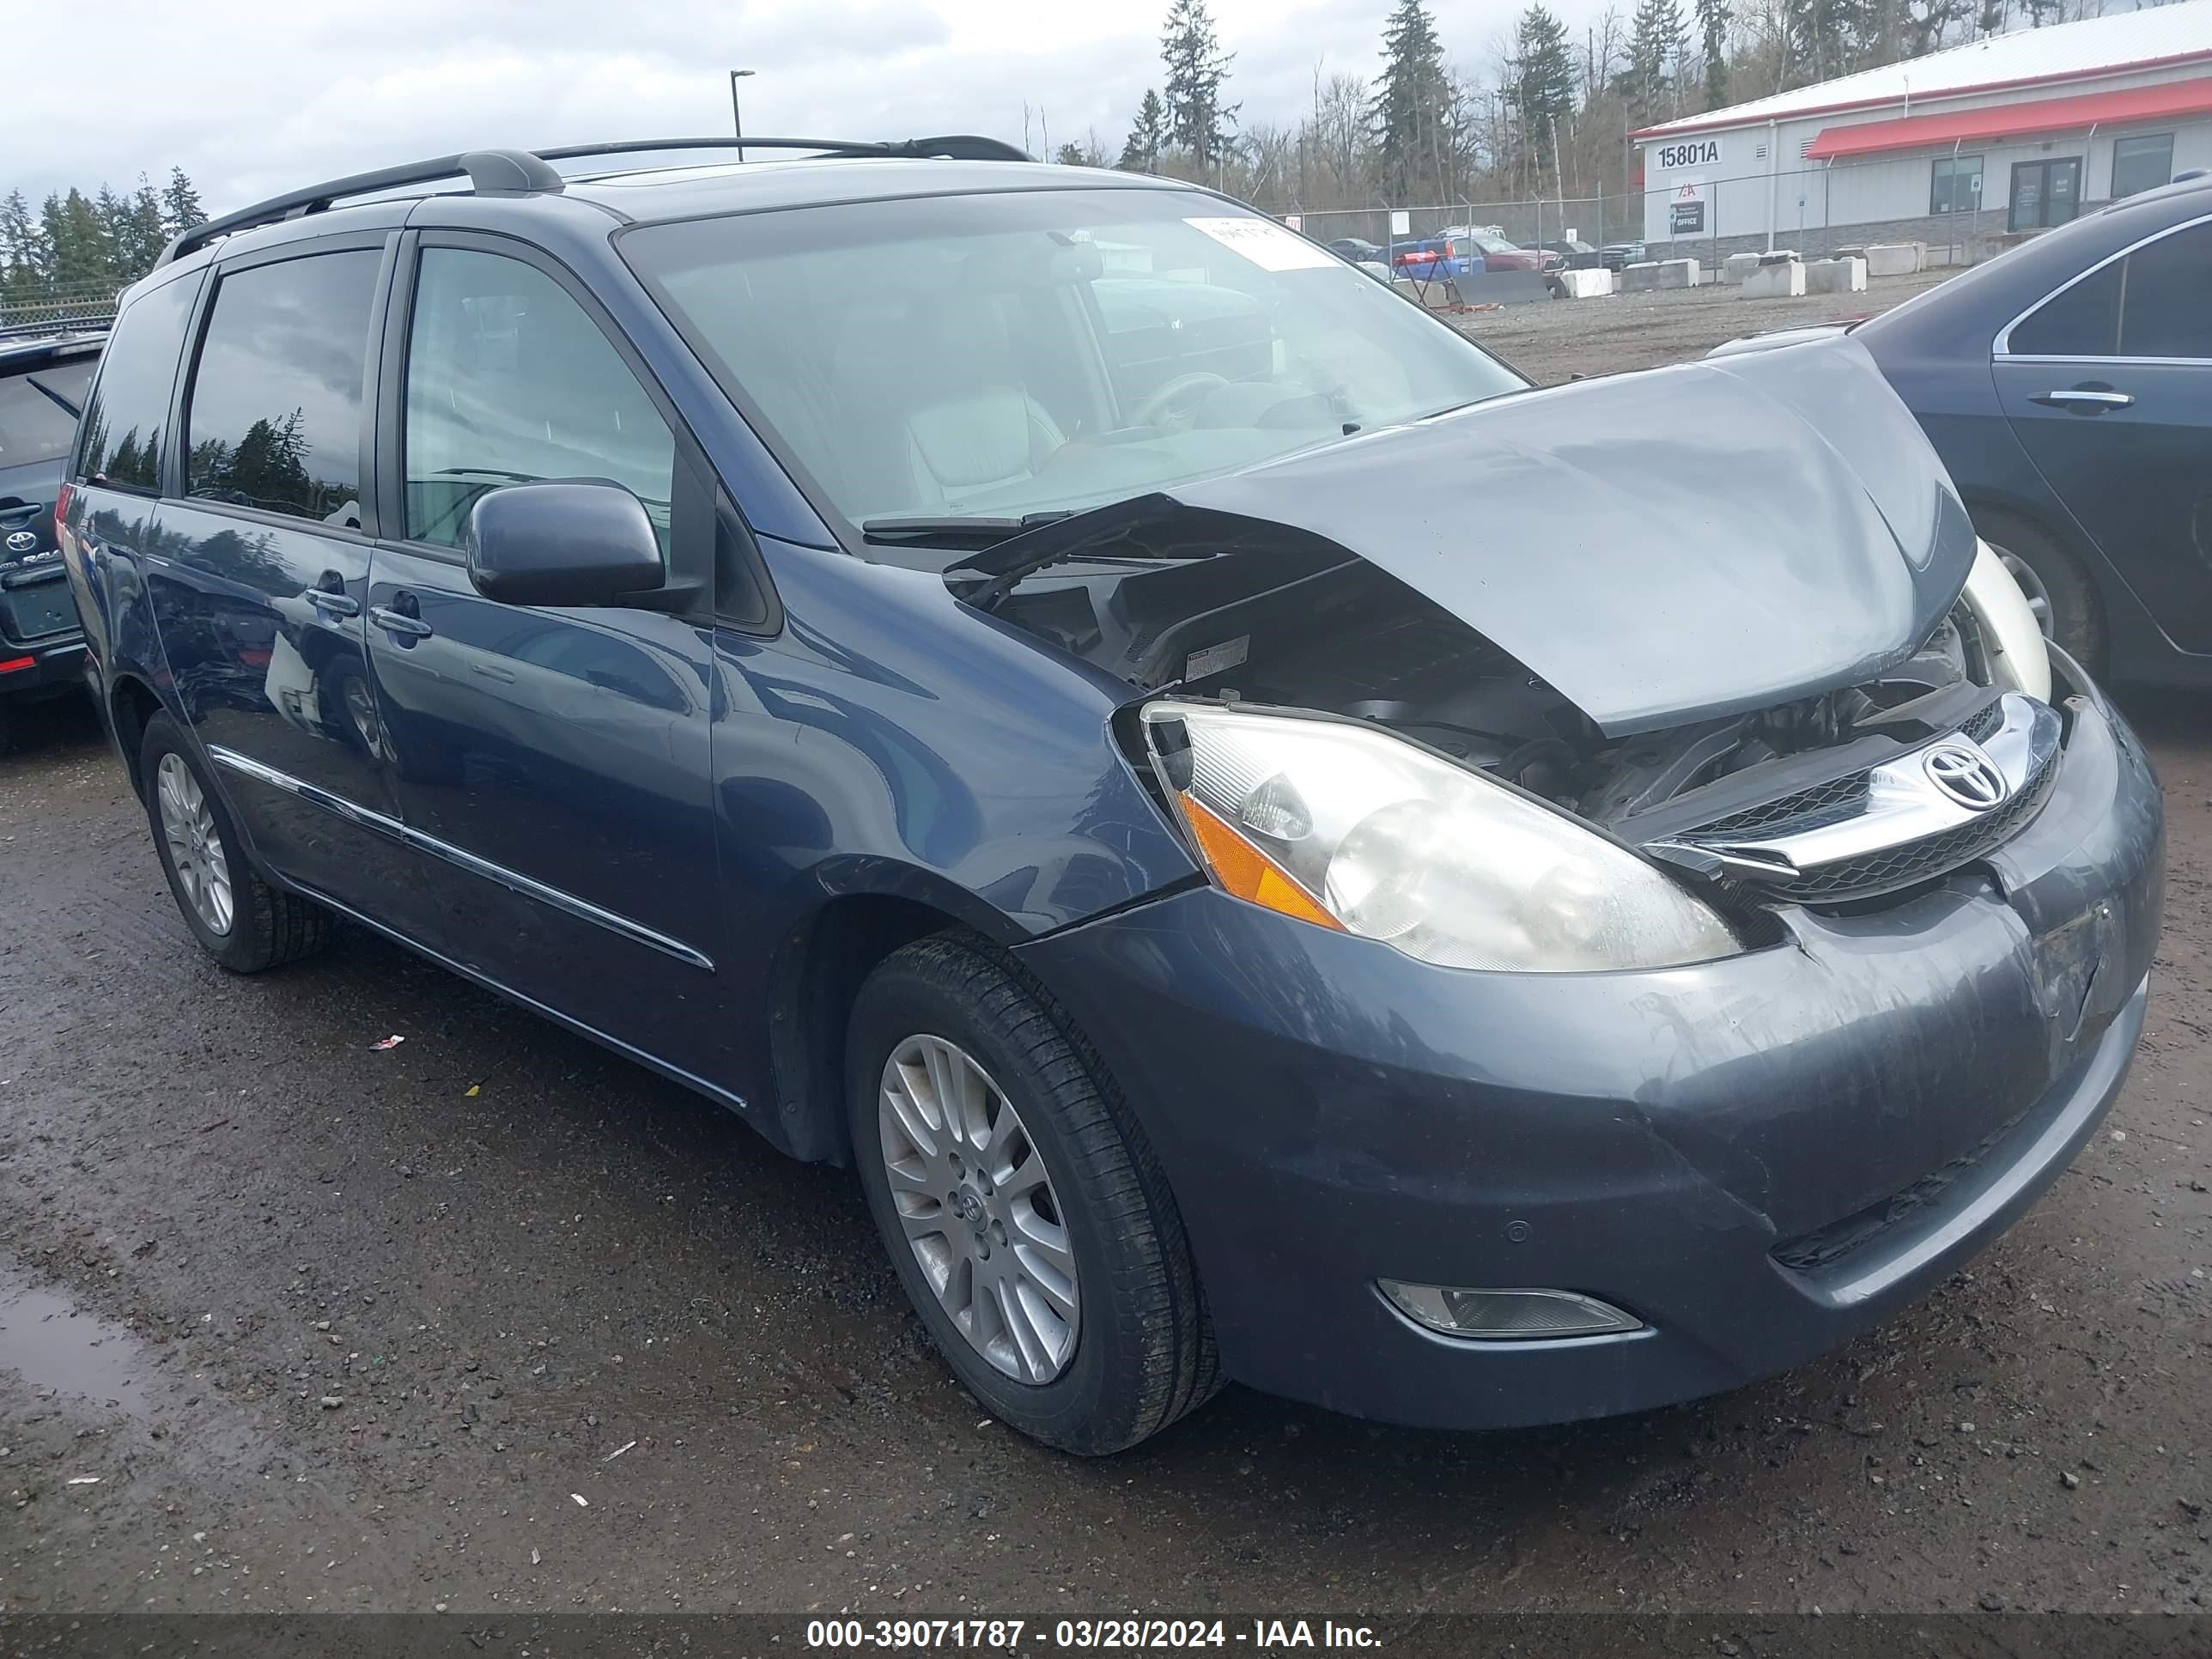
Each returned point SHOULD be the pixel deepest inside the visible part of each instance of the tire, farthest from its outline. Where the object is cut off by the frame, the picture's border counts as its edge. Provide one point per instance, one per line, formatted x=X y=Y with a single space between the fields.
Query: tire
x=266 y=927
x=1141 y=1350
x=2076 y=622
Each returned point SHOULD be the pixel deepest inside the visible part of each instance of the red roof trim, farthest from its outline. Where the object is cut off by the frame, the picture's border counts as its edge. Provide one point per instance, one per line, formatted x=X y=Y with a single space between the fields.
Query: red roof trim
x=2128 y=104
x=1719 y=120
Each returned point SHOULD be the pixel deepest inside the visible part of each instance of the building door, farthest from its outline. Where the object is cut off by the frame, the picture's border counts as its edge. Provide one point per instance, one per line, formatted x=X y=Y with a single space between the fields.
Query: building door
x=2045 y=193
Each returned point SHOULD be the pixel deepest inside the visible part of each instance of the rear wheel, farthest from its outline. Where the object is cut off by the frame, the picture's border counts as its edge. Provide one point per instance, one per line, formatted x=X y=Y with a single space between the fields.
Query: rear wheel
x=1026 y=1214
x=2059 y=589
x=239 y=918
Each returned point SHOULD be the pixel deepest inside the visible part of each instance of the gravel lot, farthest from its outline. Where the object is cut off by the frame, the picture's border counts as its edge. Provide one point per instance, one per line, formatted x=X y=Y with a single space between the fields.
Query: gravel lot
x=496 y=1322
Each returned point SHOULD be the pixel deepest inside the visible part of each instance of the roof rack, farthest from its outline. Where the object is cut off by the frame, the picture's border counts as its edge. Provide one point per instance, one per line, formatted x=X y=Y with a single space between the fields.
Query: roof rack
x=511 y=172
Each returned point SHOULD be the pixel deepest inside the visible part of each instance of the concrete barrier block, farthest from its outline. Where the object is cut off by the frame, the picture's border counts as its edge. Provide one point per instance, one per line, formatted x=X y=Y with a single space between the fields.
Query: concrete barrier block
x=1678 y=273
x=1896 y=258
x=1737 y=266
x=1836 y=276
x=1777 y=256
x=1585 y=284
x=1782 y=282
x=1639 y=278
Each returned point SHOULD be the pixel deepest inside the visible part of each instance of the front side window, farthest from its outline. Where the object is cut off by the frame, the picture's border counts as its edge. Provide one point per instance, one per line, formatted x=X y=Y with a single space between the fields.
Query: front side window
x=509 y=381
x=2142 y=163
x=1957 y=186
x=274 y=420
x=1019 y=351
x=39 y=409
x=121 y=439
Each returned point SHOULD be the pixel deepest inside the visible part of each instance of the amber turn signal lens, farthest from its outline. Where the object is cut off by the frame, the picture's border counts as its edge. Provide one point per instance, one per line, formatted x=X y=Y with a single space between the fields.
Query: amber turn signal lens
x=1244 y=871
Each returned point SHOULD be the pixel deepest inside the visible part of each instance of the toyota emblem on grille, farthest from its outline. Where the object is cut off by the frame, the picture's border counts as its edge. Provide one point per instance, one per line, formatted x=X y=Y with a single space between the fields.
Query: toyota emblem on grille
x=21 y=542
x=1965 y=775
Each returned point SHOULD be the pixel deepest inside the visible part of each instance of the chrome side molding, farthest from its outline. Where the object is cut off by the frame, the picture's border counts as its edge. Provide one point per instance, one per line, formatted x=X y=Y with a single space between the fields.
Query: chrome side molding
x=459 y=858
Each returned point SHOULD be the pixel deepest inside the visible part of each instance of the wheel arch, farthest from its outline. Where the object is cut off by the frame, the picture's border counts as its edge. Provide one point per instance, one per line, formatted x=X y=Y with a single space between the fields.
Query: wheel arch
x=818 y=968
x=131 y=704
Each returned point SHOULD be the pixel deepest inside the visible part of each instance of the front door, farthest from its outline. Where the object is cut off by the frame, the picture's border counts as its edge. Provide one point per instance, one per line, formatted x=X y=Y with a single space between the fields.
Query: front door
x=553 y=763
x=264 y=568
x=2045 y=193
x=2108 y=385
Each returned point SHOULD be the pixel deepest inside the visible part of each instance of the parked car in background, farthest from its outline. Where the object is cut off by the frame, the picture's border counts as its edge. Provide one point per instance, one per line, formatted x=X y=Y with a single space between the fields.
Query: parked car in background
x=1359 y=252
x=2068 y=387
x=1233 y=923
x=1433 y=259
x=1497 y=254
x=1614 y=255
x=1575 y=254
x=42 y=387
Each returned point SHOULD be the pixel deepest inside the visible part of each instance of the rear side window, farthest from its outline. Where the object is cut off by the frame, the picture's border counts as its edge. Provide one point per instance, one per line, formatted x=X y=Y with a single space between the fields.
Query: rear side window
x=508 y=380
x=122 y=432
x=39 y=409
x=2084 y=321
x=274 y=419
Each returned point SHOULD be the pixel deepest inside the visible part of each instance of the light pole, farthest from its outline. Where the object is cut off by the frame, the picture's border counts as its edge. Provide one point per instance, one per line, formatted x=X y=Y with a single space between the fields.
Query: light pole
x=736 y=117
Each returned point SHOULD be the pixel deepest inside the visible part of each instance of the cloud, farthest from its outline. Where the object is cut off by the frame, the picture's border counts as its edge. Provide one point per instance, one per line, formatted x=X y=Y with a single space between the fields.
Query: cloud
x=251 y=97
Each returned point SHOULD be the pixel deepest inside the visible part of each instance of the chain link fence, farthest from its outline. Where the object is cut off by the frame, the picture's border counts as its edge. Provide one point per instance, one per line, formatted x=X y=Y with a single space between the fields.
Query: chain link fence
x=59 y=312
x=1814 y=211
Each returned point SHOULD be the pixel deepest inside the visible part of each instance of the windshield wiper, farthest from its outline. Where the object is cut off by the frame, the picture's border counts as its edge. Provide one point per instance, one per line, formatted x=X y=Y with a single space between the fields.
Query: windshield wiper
x=968 y=529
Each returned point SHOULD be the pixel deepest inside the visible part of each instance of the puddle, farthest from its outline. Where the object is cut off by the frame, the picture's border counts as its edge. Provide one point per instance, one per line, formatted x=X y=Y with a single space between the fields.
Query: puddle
x=73 y=1352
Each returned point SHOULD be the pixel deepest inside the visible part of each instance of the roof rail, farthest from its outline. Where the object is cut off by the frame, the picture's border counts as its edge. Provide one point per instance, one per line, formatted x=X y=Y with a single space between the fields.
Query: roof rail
x=510 y=171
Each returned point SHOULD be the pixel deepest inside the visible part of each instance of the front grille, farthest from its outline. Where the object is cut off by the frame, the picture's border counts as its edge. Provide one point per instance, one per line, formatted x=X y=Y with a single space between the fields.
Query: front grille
x=1894 y=868
x=1824 y=803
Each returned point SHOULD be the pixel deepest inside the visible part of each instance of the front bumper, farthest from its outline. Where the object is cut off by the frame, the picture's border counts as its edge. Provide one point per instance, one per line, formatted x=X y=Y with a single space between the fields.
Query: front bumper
x=1759 y=1157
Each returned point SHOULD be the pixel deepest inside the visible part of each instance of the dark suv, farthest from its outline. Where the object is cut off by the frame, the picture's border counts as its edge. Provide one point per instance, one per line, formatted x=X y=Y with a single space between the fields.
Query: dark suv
x=42 y=386
x=1078 y=733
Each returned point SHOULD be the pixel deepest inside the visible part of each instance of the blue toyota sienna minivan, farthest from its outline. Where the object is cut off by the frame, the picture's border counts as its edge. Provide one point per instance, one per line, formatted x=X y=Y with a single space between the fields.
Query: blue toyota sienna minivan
x=1274 y=849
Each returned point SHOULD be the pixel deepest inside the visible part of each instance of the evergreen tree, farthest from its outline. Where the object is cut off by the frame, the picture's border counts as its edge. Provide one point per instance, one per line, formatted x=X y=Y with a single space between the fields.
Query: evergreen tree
x=22 y=251
x=78 y=254
x=1713 y=18
x=1198 y=121
x=1540 y=84
x=1147 y=138
x=180 y=204
x=1655 y=46
x=137 y=233
x=1069 y=155
x=1411 y=104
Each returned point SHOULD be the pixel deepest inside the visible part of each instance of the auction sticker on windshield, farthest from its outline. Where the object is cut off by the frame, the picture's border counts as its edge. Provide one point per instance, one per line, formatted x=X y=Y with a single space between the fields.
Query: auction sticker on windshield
x=1265 y=243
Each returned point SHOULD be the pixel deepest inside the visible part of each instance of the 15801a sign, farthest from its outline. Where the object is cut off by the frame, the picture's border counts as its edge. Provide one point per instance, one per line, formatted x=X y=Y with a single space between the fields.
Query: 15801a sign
x=1697 y=153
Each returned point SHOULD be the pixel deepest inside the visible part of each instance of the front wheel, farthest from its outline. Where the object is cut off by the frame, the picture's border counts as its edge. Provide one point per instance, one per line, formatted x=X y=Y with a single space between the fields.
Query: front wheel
x=1022 y=1209
x=2059 y=591
x=239 y=918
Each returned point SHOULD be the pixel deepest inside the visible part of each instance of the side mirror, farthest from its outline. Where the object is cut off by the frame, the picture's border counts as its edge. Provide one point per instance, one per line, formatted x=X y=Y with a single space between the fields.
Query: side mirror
x=561 y=542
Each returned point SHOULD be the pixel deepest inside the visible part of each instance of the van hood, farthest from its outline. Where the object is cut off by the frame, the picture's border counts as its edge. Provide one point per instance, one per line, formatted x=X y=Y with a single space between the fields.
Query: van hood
x=1663 y=547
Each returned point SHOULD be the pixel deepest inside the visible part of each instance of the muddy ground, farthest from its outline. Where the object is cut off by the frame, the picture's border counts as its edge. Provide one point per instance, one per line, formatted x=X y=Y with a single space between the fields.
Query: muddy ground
x=493 y=1322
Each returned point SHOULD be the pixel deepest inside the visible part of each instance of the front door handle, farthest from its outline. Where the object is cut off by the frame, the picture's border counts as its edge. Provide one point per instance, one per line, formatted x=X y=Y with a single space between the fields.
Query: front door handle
x=333 y=604
x=398 y=623
x=2087 y=399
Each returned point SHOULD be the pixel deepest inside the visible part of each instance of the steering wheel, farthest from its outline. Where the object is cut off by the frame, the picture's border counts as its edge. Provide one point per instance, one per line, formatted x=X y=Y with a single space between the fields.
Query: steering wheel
x=1180 y=396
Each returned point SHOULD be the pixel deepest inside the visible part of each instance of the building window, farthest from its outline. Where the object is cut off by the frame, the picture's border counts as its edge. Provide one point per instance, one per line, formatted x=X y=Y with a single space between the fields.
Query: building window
x=2142 y=163
x=1957 y=187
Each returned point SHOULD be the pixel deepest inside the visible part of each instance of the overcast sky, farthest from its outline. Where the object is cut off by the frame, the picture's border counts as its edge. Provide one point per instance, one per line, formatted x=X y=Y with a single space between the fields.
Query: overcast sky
x=251 y=97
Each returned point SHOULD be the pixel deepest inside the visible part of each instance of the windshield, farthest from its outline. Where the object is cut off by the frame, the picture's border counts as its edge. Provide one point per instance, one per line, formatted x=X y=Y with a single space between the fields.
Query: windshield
x=1031 y=351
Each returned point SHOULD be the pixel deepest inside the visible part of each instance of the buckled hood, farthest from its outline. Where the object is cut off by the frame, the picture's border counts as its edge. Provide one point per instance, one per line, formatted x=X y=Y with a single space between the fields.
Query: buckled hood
x=1663 y=547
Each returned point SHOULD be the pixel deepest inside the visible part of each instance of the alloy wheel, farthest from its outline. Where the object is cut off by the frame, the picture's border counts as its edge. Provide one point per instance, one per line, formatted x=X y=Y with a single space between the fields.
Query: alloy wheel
x=977 y=1206
x=196 y=849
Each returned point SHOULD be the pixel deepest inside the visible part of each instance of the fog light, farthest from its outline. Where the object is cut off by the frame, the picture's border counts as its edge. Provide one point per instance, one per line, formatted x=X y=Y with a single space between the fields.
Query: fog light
x=1507 y=1315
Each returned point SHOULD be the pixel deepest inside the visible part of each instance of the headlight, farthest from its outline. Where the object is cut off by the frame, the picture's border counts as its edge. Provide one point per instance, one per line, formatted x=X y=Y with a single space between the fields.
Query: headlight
x=1348 y=827
x=2013 y=642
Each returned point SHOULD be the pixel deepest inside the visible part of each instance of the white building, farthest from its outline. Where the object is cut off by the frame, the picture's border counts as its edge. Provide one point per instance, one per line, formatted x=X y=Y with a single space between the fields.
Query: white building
x=2008 y=134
